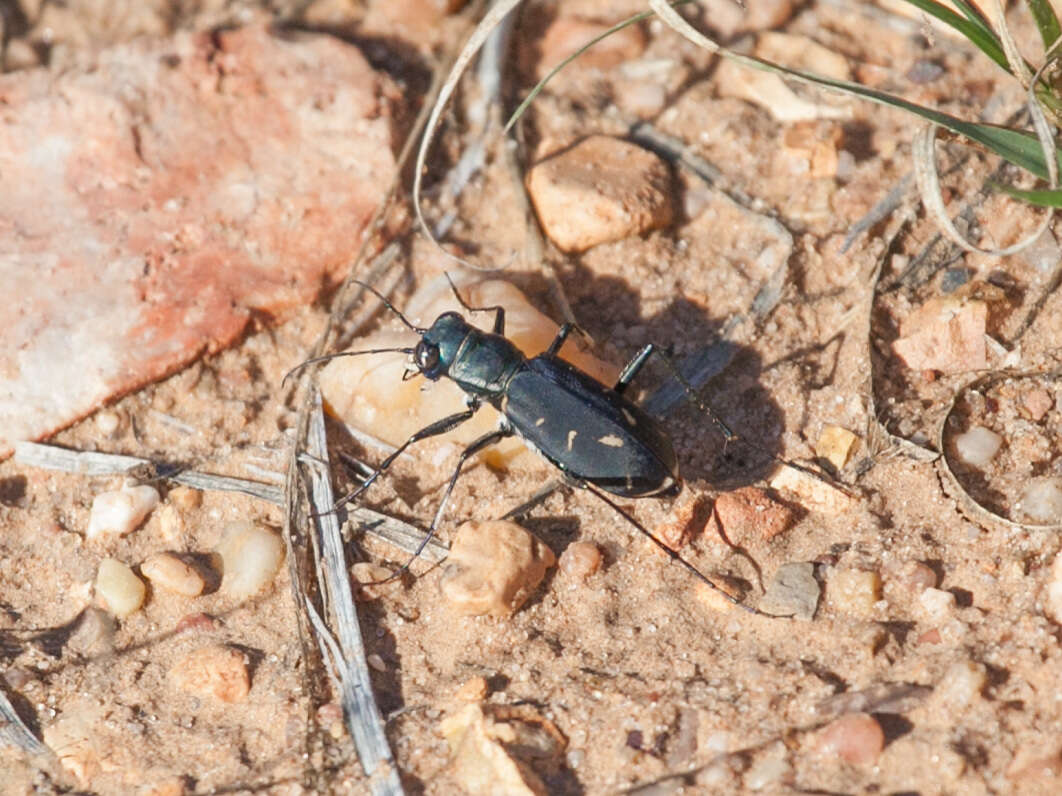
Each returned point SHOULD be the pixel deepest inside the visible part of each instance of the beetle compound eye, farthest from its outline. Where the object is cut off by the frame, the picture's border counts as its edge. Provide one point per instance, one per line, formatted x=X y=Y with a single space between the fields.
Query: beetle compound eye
x=426 y=356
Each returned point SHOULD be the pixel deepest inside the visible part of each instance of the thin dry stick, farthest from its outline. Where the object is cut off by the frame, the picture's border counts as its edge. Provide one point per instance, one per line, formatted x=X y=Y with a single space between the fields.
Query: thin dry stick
x=352 y=670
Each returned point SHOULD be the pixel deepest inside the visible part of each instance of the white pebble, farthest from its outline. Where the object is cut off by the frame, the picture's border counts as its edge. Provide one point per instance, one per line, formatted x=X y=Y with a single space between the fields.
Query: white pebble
x=250 y=558
x=978 y=446
x=107 y=422
x=118 y=513
x=1052 y=596
x=959 y=687
x=1042 y=500
x=118 y=588
x=172 y=574
x=580 y=559
x=937 y=603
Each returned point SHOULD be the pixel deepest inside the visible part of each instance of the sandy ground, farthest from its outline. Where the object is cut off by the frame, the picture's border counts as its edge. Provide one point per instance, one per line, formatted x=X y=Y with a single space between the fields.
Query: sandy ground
x=651 y=683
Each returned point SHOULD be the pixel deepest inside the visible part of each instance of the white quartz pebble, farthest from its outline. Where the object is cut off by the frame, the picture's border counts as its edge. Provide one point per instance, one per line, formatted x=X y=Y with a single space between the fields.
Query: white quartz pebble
x=119 y=589
x=1042 y=500
x=119 y=512
x=250 y=557
x=978 y=446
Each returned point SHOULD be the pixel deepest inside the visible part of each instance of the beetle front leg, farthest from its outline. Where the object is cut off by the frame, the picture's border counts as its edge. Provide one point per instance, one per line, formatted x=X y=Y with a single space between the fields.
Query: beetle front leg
x=497 y=309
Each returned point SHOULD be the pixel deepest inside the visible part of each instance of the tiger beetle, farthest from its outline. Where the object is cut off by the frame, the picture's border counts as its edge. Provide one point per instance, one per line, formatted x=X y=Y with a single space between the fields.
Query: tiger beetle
x=599 y=439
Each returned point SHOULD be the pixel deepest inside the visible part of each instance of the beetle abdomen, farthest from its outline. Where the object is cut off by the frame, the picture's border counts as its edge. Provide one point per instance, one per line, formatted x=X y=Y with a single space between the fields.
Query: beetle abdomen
x=588 y=430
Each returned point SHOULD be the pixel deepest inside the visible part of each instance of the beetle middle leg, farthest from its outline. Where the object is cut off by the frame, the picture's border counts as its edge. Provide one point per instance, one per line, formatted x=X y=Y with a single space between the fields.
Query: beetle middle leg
x=433 y=430
x=488 y=439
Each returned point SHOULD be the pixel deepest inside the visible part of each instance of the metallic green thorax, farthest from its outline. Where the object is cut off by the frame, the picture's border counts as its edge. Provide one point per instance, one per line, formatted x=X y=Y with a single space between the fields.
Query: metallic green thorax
x=481 y=364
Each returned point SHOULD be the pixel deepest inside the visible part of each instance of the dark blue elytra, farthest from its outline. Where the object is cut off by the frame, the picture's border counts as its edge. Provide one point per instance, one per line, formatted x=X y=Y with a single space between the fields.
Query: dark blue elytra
x=591 y=432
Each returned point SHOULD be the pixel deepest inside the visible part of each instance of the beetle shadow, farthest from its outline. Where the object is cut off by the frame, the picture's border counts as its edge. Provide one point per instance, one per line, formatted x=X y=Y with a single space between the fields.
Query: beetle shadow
x=604 y=303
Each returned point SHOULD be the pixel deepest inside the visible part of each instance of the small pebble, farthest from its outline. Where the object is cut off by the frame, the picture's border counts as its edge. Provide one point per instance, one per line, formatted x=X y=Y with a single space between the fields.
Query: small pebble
x=602 y=189
x=793 y=591
x=108 y=422
x=978 y=446
x=768 y=769
x=493 y=567
x=94 y=635
x=171 y=524
x=197 y=621
x=939 y=605
x=946 y=334
x=567 y=34
x=835 y=445
x=121 y=511
x=330 y=716
x=1052 y=594
x=960 y=686
x=855 y=738
x=916 y=576
x=1041 y=500
x=250 y=557
x=481 y=764
x=376 y=662
x=475 y=689
x=580 y=559
x=1036 y=403
x=813 y=492
x=746 y=516
x=172 y=574
x=854 y=591
x=185 y=498
x=216 y=671
x=118 y=588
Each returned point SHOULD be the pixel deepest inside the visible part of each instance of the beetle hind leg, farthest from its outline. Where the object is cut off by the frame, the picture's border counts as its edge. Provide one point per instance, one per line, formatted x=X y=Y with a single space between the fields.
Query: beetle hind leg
x=488 y=439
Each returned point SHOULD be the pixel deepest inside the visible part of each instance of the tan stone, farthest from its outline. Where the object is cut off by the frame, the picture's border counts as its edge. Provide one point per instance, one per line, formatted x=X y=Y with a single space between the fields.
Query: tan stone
x=602 y=189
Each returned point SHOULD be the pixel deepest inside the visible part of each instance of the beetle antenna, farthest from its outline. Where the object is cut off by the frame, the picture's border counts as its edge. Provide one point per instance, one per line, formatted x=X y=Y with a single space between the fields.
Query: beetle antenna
x=390 y=306
x=327 y=357
x=674 y=556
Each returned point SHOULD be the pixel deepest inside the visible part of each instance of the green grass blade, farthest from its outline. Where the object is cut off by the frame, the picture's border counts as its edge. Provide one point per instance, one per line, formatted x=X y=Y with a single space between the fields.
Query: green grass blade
x=1041 y=198
x=972 y=27
x=1046 y=21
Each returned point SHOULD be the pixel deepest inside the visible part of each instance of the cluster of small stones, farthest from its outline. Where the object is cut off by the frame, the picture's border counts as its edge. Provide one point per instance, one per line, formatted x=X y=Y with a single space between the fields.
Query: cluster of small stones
x=246 y=561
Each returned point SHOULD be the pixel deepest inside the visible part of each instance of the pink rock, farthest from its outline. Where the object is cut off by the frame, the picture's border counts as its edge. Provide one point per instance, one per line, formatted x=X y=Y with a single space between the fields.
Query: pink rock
x=567 y=35
x=856 y=738
x=748 y=515
x=152 y=204
x=945 y=334
x=602 y=189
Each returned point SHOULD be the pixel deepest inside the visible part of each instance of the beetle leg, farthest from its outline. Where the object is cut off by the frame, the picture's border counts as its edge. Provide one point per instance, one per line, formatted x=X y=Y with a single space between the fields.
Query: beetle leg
x=631 y=369
x=672 y=554
x=485 y=441
x=433 y=430
x=499 y=317
x=635 y=365
x=693 y=397
x=562 y=335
